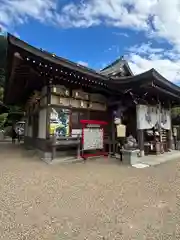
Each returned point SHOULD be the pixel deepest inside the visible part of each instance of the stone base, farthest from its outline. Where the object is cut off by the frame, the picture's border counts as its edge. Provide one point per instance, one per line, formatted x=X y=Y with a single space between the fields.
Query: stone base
x=62 y=157
x=178 y=145
x=130 y=157
x=1 y=136
x=42 y=149
x=45 y=156
x=67 y=160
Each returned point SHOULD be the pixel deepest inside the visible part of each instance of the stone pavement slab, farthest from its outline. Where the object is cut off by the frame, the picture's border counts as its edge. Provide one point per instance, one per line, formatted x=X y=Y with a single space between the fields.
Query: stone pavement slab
x=153 y=160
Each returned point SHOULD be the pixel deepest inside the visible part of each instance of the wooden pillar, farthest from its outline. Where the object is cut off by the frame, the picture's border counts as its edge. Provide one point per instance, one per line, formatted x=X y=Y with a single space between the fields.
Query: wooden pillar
x=140 y=134
x=48 y=114
x=48 y=110
x=159 y=121
x=170 y=135
x=170 y=139
x=113 y=129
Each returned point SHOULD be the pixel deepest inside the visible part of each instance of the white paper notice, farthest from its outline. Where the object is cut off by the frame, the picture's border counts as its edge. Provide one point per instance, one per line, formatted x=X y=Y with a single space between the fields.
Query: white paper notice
x=93 y=138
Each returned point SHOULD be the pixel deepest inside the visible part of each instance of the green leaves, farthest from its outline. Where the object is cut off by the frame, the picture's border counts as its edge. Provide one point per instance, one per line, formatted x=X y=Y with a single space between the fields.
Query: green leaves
x=2 y=77
x=1 y=94
x=175 y=112
x=3 y=118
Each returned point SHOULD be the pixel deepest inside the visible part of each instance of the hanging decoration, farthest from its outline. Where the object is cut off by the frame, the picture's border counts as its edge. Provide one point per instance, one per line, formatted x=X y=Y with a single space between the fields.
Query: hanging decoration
x=152 y=116
x=78 y=78
x=166 y=119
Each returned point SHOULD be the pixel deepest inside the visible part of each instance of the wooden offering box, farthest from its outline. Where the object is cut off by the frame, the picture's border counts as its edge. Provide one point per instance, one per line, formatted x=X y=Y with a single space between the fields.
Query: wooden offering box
x=60 y=90
x=79 y=94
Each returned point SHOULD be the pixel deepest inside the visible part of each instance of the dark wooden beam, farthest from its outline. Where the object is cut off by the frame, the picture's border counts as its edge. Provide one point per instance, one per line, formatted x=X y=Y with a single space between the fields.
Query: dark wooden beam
x=15 y=62
x=51 y=58
x=140 y=136
x=48 y=109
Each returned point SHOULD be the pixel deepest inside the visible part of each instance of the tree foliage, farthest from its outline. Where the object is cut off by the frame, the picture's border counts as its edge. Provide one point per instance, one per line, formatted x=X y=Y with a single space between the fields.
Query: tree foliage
x=3 y=118
x=175 y=112
x=1 y=93
x=3 y=58
x=2 y=77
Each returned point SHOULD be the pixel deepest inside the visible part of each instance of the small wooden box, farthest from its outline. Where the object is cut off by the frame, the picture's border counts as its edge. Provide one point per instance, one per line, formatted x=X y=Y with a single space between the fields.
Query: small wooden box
x=97 y=98
x=79 y=94
x=97 y=106
x=54 y=99
x=64 y=101
x=61 y=90
x=83 y=104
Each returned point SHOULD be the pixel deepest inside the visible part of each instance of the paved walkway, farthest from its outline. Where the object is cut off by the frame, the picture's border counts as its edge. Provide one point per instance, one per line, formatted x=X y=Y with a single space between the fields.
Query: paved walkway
x=161 y=158
x=86 y=201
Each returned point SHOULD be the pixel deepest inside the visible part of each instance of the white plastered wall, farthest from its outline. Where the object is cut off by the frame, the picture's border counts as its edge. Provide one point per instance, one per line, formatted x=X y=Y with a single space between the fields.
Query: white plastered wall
x=42 y=124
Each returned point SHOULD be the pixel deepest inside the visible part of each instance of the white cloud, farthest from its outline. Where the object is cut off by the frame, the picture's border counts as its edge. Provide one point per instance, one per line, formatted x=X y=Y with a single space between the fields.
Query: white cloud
x=18 y=11
x=85 y=64
x=143 y=57
x=166 y=21
x=145 y=48
x=156 y=18
x=160 y=18
x=111 y=12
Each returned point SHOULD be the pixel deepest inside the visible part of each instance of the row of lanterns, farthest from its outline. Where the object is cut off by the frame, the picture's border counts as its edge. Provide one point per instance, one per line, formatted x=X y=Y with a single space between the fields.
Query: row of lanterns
x=70 y=74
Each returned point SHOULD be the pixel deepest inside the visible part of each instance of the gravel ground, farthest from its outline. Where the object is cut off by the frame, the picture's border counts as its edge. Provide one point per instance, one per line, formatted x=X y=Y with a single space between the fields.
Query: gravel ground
x=95 y=200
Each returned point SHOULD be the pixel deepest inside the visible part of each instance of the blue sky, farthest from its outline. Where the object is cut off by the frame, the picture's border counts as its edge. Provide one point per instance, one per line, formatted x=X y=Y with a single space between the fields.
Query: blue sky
x=96 y=32
x=96 y=45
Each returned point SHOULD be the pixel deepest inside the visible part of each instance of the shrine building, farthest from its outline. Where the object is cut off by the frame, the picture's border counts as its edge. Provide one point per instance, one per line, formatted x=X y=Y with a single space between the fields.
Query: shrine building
x=62 y=100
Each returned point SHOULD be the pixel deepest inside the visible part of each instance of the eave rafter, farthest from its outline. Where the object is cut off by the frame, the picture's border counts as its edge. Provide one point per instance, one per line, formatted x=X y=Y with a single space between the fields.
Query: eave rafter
x=57 y=73
x=45 y=67
x=16 y=61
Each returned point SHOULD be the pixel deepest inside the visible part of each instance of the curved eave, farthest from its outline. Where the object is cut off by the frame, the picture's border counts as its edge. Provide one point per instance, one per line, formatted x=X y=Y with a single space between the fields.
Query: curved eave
x=174 y=97
x=132 y=79
x=53 y=59
x=165 y=83
x=146 y=77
